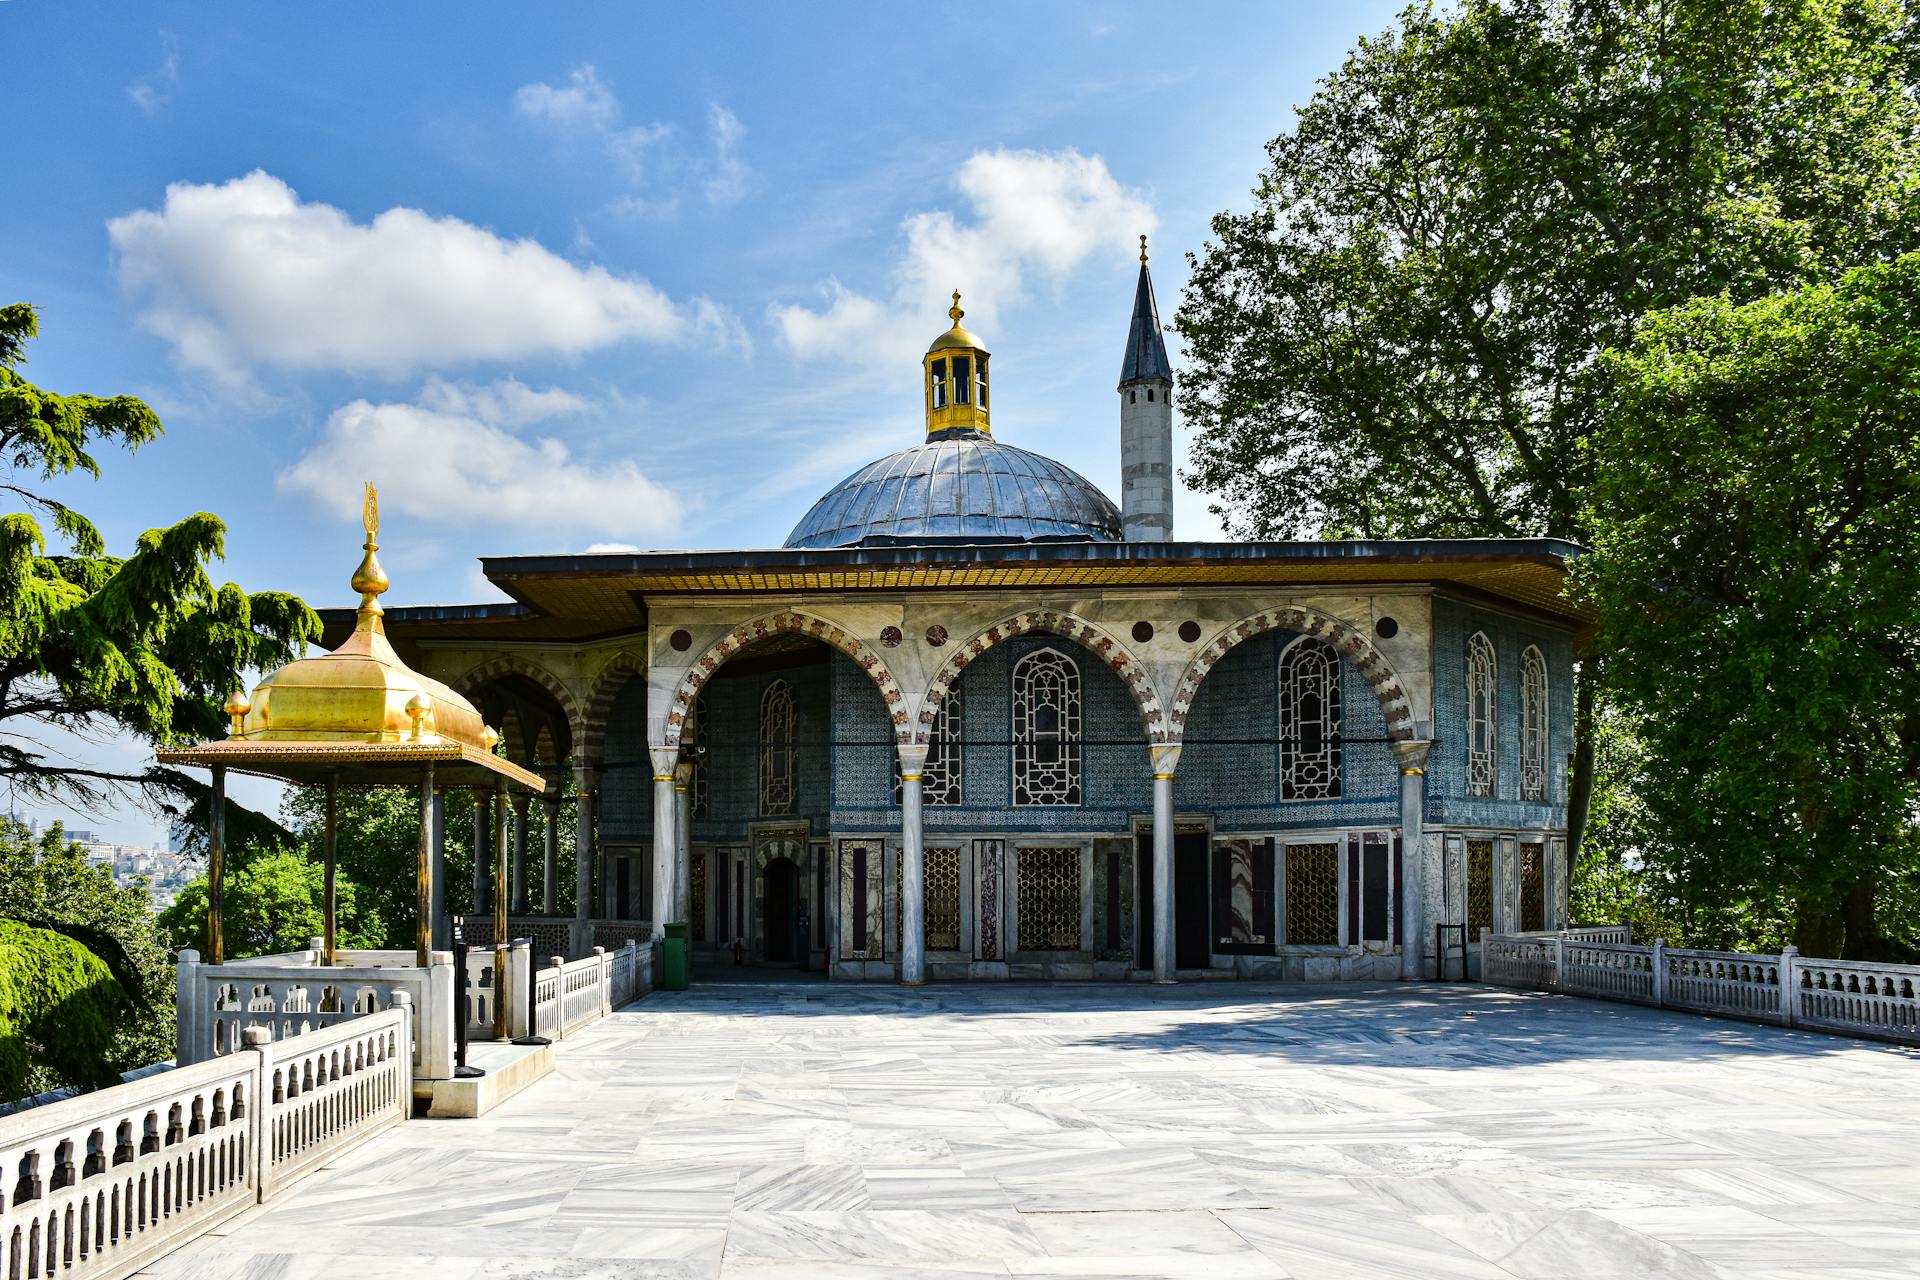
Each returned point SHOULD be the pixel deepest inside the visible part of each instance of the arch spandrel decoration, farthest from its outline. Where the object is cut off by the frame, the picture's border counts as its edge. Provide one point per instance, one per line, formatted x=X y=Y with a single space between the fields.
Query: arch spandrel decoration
x=1348 y=640
x=1132 y=671
x=787 y=621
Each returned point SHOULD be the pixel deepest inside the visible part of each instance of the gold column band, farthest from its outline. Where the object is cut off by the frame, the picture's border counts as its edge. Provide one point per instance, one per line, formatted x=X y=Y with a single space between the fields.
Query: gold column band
x=910 y=777
x=1163 y=777
x=1412 y=771
x=663 y=777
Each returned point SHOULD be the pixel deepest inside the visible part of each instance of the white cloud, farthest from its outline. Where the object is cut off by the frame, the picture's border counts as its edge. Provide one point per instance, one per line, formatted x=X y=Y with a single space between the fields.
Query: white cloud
x=505 y=402
x=152 y=92
x=454 y=468
x=611 y=548
x=650 y=158
x=1034 y=213
x=246 y=273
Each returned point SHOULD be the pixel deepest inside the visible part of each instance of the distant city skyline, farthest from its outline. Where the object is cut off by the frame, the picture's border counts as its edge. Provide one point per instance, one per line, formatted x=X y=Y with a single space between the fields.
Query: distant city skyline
x=600 y=277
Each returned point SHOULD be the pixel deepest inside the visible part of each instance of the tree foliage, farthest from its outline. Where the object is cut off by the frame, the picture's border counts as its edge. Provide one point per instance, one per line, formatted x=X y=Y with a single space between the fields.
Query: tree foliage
x=47 y=883
x=1755 y=522
x=1400 y=337
x=145 y=643
x=273 y=901
x=59 y=1006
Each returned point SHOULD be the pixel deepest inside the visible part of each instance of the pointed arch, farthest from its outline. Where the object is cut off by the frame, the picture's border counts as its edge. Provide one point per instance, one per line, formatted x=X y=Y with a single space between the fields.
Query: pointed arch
x=1348 y=640
x=607 y=684
x=509 y=665
x=1095 y=639
x=793 y=622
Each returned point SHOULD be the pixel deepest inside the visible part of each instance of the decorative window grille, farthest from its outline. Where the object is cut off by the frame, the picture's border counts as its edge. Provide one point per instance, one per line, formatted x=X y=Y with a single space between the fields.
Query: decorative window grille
x=940 y=779
x=1309 y=721
x=1533 y=725
x=694 y=736
x=777 y=761
x=1047 y=891
x=1313 y=895
x=1533 y=888
x=1046 y=730
x=1479 y=888
x=941 y=896
x=697 y=894
x=1482 y=710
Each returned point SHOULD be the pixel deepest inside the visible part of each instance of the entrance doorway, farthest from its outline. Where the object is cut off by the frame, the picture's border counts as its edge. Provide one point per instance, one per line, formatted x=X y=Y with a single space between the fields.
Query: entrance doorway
x=783 y=945
x=1192 y=905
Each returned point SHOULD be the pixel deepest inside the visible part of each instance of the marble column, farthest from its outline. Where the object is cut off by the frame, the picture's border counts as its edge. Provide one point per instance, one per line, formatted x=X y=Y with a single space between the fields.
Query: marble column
x=1166 y=762
x=1413 y=862
x=582 y=849
x=437 y=907
x=518 y=900
x=913 y=867
x=666 y=834
x=683 y=841
x=550 y=867
x=482 y=845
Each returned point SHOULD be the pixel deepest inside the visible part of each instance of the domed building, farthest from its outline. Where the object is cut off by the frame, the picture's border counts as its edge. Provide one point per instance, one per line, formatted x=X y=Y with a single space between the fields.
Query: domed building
x=975 y=719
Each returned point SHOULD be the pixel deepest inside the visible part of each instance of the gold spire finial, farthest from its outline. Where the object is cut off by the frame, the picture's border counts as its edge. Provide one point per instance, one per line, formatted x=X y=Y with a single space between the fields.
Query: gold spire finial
x=370 y=579
x=954 y=312
x=1143 y=251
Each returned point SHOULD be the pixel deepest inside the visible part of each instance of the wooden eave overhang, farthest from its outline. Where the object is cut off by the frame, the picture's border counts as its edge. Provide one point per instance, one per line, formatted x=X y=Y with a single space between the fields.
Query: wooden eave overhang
x=361 y=764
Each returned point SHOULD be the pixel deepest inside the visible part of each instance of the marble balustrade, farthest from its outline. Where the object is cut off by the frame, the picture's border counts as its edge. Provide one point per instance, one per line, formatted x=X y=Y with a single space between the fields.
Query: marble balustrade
x=1859 y=998
x=110 y=1181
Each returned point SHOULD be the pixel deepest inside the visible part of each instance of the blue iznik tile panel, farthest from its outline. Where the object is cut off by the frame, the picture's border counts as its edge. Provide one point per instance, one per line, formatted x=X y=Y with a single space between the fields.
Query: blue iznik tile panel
x=1454 y=622
x=626 y=785
x=732 y=758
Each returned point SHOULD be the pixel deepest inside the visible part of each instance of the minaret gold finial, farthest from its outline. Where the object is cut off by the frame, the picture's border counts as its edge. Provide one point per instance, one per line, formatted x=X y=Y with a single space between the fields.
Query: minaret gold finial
x=1143 y=251
x=954 y=312
x=370 y=579
x=236 y=706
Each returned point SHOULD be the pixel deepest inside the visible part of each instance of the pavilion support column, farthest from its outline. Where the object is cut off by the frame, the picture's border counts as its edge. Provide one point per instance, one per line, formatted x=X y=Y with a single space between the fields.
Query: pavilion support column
x=550 y=866
x=913 y=867
x=500 y=939
x=425 y=889
x=330 y=927
x=518 y=901
x=437 y=908
x=1166 y=762
x=216 y=864
x=583 y=856
x=1413 y=862
x=683 y=841
x=666 y=834
x=482 y=847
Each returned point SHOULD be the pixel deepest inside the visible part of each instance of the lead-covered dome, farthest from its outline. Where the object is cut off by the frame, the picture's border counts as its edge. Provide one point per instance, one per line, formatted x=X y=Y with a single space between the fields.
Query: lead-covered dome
x=960 y=485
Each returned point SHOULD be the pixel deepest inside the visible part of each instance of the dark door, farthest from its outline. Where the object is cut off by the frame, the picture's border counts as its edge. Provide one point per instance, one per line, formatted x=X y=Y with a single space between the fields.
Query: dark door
x=1192 y=907
x=1192 y=949
x=783 y=892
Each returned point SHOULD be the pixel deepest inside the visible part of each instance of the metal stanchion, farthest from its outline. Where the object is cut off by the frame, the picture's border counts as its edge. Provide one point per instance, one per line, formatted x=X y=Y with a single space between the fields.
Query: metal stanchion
x=532 y=1037
x=463 y=1008
x=1440 y=951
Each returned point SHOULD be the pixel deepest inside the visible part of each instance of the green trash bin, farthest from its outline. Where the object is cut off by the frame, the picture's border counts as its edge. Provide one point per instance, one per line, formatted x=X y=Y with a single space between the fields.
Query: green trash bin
x=673 y=957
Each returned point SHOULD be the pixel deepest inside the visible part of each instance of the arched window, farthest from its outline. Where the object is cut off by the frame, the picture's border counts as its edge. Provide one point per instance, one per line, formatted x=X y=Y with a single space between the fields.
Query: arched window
x=1309 y=721
x=940 y=778
x=777 y=784
x=1533 y=724
x=1482 y=714
x=1046 y=729
x=693 y=739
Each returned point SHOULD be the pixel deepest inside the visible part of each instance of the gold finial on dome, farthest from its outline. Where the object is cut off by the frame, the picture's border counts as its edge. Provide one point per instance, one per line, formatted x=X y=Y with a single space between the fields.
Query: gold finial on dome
x=954 y=312
x=370 y=579
x=417 y=707
x=236 y=706
x=956 y=379
x=1143 y=251
x=490 y=738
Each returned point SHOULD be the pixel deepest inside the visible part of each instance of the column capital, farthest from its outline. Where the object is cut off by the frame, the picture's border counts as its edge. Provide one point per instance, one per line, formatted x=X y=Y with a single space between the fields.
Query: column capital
x=585 y=776
x=1412 y=755
x=913 y=758
x=664 y=759
x=683 y=775
x=1165 y=757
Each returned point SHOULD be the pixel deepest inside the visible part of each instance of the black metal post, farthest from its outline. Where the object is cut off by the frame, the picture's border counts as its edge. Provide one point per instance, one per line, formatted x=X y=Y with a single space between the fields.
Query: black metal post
x=463 y=1008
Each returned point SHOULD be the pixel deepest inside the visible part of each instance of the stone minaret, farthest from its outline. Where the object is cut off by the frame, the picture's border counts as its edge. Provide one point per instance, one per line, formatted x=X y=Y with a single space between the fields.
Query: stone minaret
x=1146 y=421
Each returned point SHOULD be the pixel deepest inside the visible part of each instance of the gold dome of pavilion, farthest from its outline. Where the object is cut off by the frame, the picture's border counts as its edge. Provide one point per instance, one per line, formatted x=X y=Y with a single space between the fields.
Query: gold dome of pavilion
x=361 y=692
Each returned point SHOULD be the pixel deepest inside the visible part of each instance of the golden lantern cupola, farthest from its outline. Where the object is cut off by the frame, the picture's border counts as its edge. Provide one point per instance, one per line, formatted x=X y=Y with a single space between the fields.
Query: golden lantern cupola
x=955 y=371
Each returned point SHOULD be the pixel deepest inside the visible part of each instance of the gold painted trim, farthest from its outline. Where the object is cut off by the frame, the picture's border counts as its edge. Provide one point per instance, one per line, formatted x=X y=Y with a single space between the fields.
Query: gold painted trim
x=1163 y=777
x=1412 y=771
x=663 y=777
x=911 y=777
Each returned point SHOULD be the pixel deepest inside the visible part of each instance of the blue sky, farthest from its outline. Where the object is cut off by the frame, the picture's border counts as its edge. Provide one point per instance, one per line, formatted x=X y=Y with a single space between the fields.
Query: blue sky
x=595 y=274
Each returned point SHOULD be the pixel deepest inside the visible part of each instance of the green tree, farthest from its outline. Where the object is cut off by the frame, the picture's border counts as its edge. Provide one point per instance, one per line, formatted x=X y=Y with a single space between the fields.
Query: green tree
x=47 y=883
x=1755 y=521
x=145 y=644
x=59 y=1006
x=1400 y=337
x=274 y=902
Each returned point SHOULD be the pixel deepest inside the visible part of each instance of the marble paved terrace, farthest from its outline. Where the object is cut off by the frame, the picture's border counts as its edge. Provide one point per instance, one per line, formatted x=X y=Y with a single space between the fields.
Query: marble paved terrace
x=1216 y=1130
